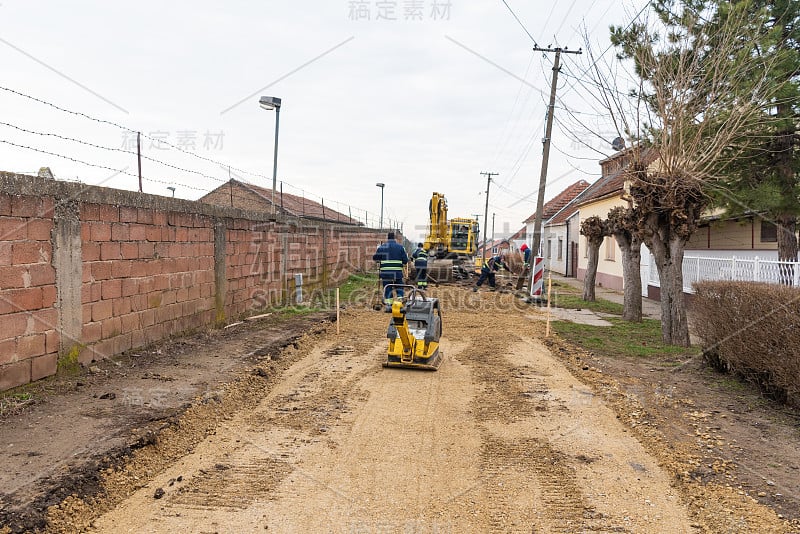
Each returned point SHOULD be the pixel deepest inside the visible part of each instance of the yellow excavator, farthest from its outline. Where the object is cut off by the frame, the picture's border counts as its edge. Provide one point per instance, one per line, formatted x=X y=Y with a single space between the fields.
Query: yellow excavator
x=414 y=332
x=451 y=243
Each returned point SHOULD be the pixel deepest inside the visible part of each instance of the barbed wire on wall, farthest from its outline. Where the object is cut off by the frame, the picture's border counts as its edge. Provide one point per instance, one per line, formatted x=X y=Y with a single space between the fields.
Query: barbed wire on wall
x=318 y=206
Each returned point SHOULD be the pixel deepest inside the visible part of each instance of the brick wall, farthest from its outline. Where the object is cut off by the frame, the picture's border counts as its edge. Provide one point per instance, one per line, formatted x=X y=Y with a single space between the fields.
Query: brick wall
x=28 y=336
x=146 y=275
x=88 y=272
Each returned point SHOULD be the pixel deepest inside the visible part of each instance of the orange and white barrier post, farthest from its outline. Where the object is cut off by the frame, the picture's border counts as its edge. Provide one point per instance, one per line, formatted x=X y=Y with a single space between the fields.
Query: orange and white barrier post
x=537 y=281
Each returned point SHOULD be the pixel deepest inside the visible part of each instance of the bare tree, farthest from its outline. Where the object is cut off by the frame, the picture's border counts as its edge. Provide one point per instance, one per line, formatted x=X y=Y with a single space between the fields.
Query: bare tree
x=622 y=224
x=696 y=98
x=595 y=229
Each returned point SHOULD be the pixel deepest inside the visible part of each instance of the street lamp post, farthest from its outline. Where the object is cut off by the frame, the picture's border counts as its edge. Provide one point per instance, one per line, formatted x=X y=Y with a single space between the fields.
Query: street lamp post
x=381 y=185
x=171 y=189
x=273 y=102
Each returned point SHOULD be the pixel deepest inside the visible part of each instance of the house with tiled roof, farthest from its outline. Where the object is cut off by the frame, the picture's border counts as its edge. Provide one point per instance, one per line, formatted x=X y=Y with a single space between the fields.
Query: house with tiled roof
x=598 y=199
x=246 y=196
x=745 y=237
x=518 y=238
x=556 y=238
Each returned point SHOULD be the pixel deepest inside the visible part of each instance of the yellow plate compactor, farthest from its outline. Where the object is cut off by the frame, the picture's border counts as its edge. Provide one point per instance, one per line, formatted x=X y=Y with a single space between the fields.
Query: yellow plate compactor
x=414 y=332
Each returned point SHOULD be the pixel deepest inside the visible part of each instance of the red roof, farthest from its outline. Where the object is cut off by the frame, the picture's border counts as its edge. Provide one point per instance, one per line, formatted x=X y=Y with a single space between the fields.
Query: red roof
x=296 y=205
x=614 y=182
x=560 y=201
x=519 y=234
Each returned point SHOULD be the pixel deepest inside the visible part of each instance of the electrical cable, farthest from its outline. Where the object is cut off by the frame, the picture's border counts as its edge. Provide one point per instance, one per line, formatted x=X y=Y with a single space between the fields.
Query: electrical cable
x=520 y=23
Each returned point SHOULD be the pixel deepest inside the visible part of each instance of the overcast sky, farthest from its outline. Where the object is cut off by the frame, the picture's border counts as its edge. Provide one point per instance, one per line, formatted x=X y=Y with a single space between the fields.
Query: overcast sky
x=421 y=95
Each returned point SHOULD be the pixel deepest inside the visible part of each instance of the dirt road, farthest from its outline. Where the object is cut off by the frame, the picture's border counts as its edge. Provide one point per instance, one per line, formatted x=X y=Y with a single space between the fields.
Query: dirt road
x=514 y=433
x=501 y=439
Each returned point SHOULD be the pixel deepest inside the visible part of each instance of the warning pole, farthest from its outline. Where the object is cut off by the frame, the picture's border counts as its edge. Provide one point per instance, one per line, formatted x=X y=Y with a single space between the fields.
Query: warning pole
x=537 y=281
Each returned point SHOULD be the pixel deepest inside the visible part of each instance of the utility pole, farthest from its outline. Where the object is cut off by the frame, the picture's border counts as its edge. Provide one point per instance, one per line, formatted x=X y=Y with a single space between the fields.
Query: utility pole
x=537 y=225
x=493 y=215
x=486 y=212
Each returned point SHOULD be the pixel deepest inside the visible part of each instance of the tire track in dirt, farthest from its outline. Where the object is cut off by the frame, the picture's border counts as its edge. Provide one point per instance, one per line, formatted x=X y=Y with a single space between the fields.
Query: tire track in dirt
x=249 y=455
x=501 y=439
x=523 y=466
x=544 y=433
x=399 y=454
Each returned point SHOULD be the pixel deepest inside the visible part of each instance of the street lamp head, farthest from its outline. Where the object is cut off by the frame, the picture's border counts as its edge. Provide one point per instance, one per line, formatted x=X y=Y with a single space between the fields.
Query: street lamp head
x=270 y=102
x=380 y=185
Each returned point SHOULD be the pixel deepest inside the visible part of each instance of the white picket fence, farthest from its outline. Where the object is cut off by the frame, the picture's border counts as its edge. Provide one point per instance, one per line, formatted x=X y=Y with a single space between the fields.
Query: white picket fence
x=696 y=268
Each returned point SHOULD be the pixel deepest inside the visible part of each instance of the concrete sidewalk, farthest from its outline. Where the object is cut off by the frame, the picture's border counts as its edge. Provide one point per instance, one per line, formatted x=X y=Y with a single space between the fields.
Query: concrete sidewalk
x=650 y=308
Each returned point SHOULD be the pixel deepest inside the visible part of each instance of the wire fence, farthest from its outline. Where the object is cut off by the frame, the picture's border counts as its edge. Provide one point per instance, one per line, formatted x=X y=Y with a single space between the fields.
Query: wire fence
x=173 y=166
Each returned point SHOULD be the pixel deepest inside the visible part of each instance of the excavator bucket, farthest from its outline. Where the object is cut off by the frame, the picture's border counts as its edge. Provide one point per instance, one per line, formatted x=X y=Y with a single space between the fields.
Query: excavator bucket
x=414 y=332
x=441 y=270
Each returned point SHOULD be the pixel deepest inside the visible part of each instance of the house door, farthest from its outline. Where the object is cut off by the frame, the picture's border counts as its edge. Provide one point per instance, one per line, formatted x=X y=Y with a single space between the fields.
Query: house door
x=573 y=258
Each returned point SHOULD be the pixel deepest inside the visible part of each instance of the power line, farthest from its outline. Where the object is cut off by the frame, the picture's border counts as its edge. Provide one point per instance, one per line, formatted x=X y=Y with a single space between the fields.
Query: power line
x=555 y=35
x=537 y=226
x=509 y=129
x=639 y=14
x=520 y=22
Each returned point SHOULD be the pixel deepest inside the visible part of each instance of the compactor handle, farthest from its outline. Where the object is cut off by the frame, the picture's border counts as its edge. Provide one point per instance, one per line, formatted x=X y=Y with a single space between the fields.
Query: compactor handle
x=412 y=291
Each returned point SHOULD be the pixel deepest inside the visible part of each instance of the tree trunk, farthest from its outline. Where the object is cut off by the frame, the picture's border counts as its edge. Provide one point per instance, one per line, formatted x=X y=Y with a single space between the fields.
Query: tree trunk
x=669 y=262
x=787 y=239
x=591 y=270
x=631 y=276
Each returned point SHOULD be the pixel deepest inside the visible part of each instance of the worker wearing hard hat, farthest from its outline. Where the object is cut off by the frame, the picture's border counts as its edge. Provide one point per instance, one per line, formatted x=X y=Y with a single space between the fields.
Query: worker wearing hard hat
x=526 y=255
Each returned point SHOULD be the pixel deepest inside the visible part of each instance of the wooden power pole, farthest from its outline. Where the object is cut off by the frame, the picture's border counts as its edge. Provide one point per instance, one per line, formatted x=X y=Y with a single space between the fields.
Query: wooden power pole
x=537 y=225
x=486 y=212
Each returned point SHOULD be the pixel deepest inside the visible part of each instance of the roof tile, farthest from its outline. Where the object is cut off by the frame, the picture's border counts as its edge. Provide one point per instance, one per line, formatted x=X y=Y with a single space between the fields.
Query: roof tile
x=560 y=201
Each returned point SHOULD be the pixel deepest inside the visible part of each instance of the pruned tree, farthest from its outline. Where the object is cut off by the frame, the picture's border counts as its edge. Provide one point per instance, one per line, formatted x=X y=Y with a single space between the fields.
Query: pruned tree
x=623 y=225
x=697 y=95
x=764 y=179
x=595 y=230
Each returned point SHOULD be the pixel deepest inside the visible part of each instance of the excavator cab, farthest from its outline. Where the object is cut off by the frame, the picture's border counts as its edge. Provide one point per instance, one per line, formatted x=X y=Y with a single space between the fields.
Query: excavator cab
x=414 y=331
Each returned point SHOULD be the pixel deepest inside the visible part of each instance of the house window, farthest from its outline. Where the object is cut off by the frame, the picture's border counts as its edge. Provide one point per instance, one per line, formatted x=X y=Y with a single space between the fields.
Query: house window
x=549 y=248
x=560 y=248
x=610 y=248
x=769 y=232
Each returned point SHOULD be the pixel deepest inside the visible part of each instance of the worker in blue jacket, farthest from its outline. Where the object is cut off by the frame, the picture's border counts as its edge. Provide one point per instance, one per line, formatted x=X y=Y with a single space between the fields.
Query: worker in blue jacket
x=526 y=258
x=391 y=257
x=421 y=266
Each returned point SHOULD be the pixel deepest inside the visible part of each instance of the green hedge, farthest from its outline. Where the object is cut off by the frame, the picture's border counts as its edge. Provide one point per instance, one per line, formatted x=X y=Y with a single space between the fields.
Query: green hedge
x=752 y=330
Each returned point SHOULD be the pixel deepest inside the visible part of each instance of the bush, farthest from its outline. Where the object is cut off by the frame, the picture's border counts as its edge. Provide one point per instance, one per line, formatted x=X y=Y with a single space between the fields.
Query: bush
x=752 y=330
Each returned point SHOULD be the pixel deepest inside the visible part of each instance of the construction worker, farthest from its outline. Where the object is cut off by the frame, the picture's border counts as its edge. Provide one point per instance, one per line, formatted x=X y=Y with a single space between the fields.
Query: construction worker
x=489 y=268
x=392 y=257
x=526 y=255
x=421 y=266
